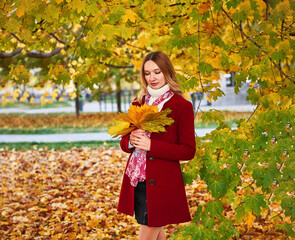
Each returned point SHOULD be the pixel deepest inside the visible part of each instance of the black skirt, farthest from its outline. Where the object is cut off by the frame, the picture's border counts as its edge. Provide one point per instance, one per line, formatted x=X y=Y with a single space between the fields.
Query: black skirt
x=140 y=207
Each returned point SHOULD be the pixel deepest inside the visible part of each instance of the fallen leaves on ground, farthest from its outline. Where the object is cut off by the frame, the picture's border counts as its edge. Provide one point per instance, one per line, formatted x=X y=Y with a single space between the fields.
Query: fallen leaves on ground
x=73 y=194
x=35 y=121
x=85 y=120
x=69 y=194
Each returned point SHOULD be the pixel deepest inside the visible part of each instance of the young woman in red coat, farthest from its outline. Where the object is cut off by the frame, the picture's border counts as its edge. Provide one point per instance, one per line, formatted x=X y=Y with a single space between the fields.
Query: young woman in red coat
x=152 y=185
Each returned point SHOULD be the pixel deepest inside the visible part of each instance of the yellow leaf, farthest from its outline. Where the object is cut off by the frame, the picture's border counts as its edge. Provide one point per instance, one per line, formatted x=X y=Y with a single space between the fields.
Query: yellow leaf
x=249 y=219
x=58 y=1
x=20 y=11
x=137 y=113
x=92 y=223
x=146 y=117
x=63 y=52
x=130 y=15
x=78 y=5
x=118 y=127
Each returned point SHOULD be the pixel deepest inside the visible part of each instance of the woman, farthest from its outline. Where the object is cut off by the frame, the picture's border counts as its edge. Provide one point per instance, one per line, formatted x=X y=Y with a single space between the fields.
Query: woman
x=152 y=185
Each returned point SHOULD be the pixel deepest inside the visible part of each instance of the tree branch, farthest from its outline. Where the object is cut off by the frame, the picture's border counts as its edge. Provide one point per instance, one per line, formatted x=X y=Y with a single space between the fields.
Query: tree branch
x=57 y=39
x=37 y=54
x=22 y=41
x=11 y=54
x=200 y=77
x=252 y=113
x=116 y=66
x=257 y=45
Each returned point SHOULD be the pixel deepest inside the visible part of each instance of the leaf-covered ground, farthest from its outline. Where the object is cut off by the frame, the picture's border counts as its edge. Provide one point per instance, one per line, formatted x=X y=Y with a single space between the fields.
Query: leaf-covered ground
x=33 y=121
x=85 y=120
x=69 y=194
x=73 y=194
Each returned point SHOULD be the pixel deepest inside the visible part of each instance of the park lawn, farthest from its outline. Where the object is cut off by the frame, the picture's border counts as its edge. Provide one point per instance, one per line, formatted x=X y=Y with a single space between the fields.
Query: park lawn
x=25 y=105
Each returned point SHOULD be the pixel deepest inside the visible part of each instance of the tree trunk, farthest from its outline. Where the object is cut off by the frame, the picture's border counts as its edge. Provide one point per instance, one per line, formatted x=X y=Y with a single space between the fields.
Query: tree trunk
x=77 y=99
x=118 y=98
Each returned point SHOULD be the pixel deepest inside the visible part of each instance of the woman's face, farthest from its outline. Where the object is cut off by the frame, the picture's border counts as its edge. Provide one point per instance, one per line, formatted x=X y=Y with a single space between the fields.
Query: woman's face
x=153 y=75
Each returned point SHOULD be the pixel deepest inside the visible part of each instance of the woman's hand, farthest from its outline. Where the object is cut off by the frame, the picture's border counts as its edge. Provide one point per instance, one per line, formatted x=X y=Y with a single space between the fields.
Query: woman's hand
x=139 y=139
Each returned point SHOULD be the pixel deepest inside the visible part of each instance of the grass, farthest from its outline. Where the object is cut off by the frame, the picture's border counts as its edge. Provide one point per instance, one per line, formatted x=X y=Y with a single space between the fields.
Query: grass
x=51 y=130
x=35 y=105
x=56 y=145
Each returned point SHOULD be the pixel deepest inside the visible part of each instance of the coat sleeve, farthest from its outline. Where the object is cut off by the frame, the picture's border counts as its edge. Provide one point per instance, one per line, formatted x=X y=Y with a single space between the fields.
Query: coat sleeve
x=185 y=147
x=124 y=143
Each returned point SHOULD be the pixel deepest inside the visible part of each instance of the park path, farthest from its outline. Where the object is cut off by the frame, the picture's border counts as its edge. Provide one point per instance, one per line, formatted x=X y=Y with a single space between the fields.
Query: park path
x=70 y=137
x=95 y=106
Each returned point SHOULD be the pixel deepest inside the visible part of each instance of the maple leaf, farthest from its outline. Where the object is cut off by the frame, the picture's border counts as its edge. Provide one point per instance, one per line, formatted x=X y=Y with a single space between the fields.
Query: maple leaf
x=130 y=15
x=20 y=11
x=249 y=219
x=204 y=7
x=148 y=118
x=209 y=27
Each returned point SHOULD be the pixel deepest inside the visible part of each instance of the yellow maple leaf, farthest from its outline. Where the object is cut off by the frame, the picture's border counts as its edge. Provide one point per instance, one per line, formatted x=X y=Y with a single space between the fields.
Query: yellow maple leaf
x=118 y=127
x=78 y=5
x=249 y=219
x=20 y=11
x=137 y=114
x=130 y=15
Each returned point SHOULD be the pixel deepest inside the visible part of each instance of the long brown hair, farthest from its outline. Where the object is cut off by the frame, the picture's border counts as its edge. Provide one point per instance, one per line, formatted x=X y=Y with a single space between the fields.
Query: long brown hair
x=165 y=65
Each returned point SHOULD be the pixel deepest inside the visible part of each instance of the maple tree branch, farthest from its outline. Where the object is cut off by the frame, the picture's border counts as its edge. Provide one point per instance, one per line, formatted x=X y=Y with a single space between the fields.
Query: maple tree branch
x=200 y=77
x=56 y=38
x=257 y=45
x=17 y=38
x=11 y=54
x=128 y=44
x=286 y=28
x=275 y=181
x=116 y=66
x=37 y=54
x=252 y=113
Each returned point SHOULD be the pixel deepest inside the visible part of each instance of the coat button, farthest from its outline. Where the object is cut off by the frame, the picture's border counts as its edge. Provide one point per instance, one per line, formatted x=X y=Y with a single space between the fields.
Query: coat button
x=152 y=182
x=151 y=158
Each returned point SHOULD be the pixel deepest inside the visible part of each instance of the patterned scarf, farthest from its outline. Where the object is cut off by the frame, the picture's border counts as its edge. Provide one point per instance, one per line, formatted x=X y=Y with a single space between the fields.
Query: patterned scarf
x=136 y=169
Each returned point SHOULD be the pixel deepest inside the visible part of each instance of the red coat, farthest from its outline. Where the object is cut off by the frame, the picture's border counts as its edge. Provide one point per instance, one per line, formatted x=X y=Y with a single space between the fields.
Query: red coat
x=166 y=198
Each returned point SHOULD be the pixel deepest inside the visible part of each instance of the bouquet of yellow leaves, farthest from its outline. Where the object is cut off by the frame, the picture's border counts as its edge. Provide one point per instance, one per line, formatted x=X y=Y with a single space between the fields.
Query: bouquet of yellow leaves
x=148 y=118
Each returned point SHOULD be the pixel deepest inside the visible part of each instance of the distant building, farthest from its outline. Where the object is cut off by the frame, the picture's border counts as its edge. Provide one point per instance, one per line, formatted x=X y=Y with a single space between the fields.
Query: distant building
x=227 y=85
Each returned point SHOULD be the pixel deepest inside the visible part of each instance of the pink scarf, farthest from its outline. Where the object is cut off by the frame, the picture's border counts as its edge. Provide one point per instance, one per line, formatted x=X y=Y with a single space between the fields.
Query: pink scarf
x=136 y=169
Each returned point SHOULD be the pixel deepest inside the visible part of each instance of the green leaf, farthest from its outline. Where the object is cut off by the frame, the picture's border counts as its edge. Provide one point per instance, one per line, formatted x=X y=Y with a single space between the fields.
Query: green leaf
x=254 y=203
x=214 y=208
x=231 y=173
x=198 y=214
x=232 y=4
x=278 y=56
x=212 y=115
x=288 y=228
x=224 y=60
x=217 y=188
x=205 y=68
x=239 y=16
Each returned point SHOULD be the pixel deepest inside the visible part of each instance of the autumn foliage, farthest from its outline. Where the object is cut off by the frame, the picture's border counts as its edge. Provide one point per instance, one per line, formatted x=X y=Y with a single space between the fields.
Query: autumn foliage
x=248 y=171
x=148 y=118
